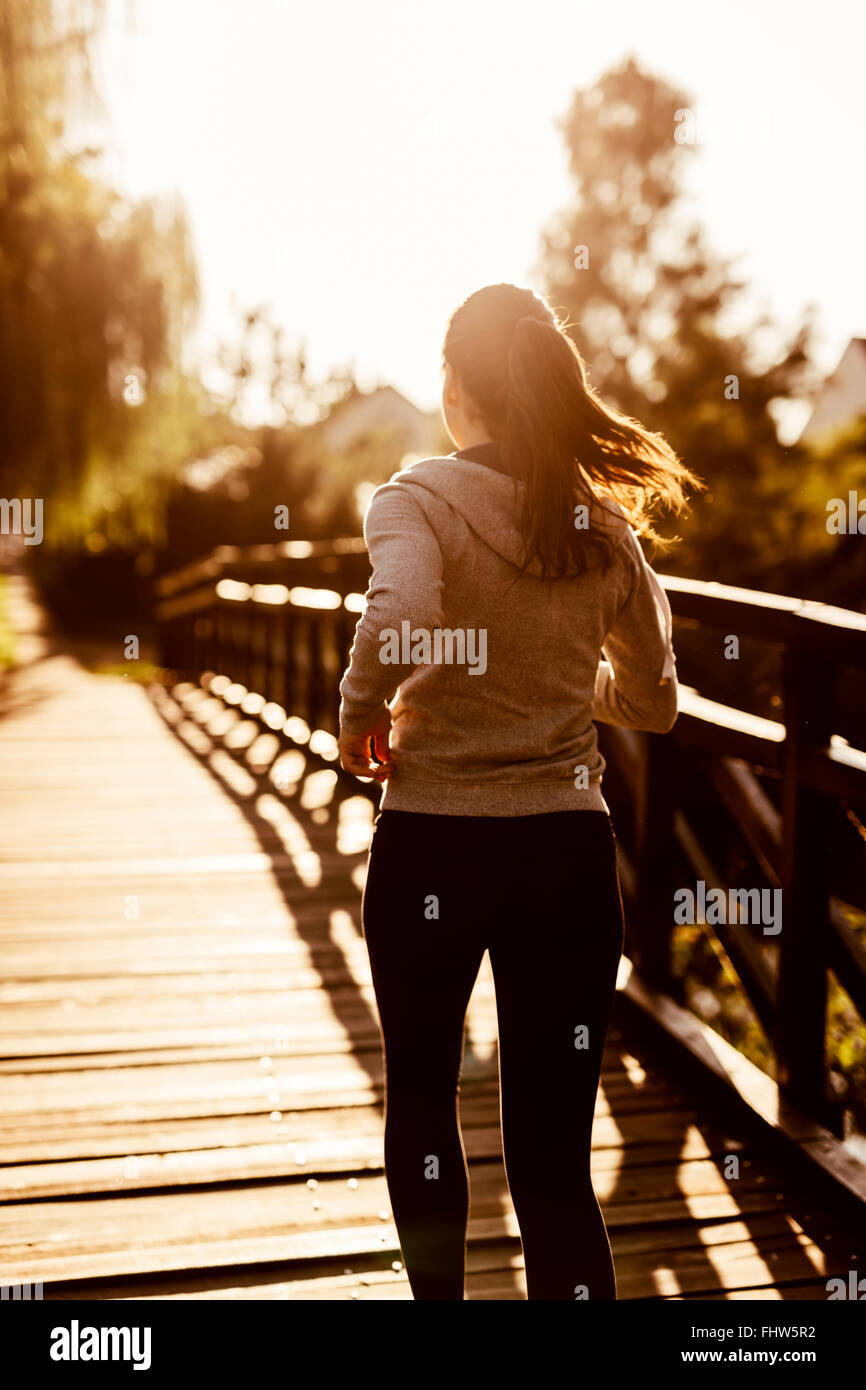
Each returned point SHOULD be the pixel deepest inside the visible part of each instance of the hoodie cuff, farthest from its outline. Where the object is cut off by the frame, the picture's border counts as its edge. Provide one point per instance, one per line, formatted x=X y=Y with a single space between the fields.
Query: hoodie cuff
x=663 y=609
x=360 y=719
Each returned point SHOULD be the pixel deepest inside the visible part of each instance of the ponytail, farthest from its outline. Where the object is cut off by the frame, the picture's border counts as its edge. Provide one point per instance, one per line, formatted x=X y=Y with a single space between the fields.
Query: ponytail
x=528 y=381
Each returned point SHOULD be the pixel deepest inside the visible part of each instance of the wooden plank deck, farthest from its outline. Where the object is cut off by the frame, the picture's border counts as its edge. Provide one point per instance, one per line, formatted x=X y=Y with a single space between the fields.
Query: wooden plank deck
x=191 y=1081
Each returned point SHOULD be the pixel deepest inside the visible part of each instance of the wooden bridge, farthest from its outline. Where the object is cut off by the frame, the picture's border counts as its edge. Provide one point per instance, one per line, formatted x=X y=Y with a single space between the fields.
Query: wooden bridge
x=191 y=1083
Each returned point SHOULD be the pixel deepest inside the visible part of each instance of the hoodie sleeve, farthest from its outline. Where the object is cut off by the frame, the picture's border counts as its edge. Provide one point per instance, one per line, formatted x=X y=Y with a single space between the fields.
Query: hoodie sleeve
x=636 y=683
x=405 y=586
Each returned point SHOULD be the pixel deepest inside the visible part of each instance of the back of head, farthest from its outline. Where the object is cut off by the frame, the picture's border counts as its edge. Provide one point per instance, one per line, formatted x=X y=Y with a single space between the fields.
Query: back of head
x=526 y=378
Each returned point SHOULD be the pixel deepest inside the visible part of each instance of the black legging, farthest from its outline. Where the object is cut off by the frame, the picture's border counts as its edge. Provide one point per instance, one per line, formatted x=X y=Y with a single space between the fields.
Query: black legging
x=541 y=893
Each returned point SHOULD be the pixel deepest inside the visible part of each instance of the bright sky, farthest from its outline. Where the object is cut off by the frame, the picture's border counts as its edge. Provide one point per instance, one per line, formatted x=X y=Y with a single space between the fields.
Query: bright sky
x=363 y=165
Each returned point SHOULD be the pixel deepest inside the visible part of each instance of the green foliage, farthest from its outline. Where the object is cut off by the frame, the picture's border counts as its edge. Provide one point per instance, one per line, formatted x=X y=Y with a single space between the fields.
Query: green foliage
x=664 y=325
x=8 y=643
x=96 y=295
x=713 y=991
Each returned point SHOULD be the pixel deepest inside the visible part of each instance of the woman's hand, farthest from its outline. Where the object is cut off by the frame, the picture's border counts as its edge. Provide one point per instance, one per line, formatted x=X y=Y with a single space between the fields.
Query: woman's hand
x=355 y=750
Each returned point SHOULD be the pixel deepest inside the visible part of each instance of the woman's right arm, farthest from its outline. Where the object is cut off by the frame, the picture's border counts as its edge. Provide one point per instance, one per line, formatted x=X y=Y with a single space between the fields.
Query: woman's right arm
x=405 y=586
x=636 y=682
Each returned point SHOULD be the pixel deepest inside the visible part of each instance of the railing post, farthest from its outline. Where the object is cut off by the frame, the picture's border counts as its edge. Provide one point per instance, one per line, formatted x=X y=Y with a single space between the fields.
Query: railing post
x=248 y=636
x=801 y=997
x=219 y=654
x=655 y=805
x=258 y=636
x=268 y=662
x=187 y=650
x=213 y=641
x=289 y=670
x=315 y=686
x=164 y=633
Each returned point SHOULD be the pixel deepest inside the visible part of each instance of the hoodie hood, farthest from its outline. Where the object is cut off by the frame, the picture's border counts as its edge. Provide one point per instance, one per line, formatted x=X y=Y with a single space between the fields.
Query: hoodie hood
x=491 y=502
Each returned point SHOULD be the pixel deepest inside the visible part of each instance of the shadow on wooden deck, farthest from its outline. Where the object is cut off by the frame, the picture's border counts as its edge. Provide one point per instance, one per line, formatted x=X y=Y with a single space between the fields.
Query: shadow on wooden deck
x=191 y=1077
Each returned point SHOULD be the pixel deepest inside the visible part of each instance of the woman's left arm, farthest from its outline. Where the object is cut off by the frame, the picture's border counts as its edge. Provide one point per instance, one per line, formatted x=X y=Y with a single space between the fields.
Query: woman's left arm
x=636 y=681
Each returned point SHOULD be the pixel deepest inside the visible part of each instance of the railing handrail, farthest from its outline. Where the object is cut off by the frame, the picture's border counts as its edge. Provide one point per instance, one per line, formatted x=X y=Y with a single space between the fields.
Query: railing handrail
x=838 y=633
x=834 y=633
x=225 y=557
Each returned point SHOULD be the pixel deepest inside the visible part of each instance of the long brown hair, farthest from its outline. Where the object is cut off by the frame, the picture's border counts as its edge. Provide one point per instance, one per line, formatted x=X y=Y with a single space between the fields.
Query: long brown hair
x=526 y=377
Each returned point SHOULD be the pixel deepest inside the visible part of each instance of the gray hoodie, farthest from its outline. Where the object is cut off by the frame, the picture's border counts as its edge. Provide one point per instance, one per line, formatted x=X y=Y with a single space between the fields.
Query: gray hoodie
x=493 y=675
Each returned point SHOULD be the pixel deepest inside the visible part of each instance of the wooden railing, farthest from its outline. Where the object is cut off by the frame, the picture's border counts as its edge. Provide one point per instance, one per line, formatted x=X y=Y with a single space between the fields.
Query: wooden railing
x=785 y=796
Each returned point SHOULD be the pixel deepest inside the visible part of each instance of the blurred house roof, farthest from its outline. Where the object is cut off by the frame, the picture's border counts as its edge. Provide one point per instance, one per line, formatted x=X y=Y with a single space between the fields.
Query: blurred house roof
x=384 y=408
x=842 y=398
x=224 y=468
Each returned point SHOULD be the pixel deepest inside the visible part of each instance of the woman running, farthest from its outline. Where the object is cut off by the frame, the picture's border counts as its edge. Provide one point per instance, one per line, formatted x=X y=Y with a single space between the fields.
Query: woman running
x=476 y=672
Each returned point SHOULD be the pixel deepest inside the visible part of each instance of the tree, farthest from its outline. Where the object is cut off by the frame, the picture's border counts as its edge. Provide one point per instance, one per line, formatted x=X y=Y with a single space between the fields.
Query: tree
x=652 y=309
x=96 y=294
